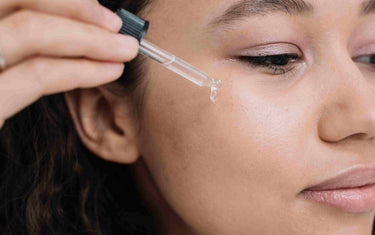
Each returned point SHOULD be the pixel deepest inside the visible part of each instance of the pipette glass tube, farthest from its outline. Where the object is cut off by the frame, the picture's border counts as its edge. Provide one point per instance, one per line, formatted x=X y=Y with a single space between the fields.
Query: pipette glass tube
x=180 y=67
x=137 y=27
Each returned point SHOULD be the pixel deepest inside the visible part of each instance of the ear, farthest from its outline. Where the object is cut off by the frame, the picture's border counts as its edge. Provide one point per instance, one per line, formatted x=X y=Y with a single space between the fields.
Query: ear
x=105 y=123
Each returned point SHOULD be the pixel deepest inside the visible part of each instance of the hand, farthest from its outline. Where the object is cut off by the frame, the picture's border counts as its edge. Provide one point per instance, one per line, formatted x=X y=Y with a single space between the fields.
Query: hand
x=56 y=46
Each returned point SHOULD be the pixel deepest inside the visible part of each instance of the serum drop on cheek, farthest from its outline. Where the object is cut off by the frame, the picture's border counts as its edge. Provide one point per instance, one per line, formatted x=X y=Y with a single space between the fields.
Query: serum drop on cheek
x=137 y=27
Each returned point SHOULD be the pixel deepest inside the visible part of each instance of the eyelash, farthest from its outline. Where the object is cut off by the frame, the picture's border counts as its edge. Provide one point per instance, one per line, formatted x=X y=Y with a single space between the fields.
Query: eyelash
x=275 y=64
x=278 y=64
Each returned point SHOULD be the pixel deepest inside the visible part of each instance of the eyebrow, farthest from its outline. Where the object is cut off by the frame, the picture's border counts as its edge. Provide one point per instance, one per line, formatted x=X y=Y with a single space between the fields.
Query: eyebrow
x=251 y=8
x=248 y=8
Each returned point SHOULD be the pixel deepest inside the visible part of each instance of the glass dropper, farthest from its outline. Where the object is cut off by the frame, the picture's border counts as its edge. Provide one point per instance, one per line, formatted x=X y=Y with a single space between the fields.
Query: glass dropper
x=137 y=27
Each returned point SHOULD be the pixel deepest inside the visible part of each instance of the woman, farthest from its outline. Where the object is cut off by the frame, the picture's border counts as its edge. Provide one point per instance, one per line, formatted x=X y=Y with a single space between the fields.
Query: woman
x=288 y=148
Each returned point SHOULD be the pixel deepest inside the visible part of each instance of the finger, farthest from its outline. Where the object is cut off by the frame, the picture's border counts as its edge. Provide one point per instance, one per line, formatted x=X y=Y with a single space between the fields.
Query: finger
x=23 y=84
x=88 y=11
x=28 y=33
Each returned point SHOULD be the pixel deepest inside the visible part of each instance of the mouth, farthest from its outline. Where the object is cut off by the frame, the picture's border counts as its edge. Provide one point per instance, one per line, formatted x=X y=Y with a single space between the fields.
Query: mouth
x=352 y=190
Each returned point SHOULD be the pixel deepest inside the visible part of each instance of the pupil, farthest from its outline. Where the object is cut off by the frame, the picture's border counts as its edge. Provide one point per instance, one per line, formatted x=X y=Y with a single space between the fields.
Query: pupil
x=372 y=59
x=282 y=60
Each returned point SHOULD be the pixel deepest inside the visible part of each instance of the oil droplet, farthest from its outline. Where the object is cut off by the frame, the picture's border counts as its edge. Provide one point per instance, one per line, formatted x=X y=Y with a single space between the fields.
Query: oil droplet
x=214 y=94
x=215 y=87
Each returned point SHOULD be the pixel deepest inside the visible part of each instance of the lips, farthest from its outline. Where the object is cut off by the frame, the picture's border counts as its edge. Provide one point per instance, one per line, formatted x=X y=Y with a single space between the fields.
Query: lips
x=353 y=190
x=351 y=178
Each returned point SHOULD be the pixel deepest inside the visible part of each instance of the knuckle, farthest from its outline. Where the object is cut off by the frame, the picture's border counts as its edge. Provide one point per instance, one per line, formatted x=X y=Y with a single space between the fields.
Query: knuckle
x=90 y=47
x=94 y=38
x=85 y=64
x=39 y=68
x=37 y=65
x=86 y=9
x=94 y=8
x=90 y=29
x=21 y=18
x=24 y=21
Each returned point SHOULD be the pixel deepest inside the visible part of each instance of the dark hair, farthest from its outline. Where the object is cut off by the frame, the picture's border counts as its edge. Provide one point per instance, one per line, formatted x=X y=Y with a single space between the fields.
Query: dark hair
x=51 y=184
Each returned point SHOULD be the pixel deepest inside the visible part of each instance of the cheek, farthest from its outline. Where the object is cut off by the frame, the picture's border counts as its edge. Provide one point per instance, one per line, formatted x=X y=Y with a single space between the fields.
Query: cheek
x=236 y=150
x=277 y=121
x=280 y=121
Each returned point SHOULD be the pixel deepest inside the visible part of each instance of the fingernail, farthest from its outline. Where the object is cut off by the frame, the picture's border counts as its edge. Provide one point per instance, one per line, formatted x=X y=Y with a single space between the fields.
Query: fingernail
x=128 y=44
x=114 y=20
x=114 y=66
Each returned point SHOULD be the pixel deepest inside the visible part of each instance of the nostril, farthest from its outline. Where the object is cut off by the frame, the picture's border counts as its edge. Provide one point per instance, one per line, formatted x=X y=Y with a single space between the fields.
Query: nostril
x=355 y=137
x=358 y=136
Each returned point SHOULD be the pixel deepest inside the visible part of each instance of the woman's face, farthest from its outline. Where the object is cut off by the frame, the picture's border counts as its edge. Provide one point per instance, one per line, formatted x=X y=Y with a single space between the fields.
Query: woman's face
x=239 y=165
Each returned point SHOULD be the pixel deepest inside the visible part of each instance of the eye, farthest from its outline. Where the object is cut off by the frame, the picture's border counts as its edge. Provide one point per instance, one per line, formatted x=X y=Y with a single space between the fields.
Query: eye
x=274 y=64
x=366 y=59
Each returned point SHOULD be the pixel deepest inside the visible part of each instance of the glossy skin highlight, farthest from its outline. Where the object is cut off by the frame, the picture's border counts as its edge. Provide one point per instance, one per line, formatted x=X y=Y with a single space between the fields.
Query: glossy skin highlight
x=238 y=166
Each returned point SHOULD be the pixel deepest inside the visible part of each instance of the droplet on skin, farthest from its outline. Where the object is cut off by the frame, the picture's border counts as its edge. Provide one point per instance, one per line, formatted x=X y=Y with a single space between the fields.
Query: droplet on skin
x=215 y=87
x=214 y=94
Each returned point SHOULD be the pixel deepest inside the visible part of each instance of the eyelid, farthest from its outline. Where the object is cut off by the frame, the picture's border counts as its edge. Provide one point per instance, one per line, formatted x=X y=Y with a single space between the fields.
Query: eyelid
x=271 y=49
x=364 y=51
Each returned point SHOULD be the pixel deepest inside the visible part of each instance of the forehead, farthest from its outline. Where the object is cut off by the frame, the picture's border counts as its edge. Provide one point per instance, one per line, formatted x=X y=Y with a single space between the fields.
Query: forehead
x=180 y=6
x=212 y=12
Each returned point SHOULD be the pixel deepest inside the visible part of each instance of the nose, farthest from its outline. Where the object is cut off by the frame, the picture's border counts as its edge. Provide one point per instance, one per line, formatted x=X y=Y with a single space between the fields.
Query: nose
x=349 y=109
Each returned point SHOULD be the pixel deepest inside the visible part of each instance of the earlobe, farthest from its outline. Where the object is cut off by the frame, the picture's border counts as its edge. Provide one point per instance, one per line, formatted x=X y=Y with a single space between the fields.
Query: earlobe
x=106 y=128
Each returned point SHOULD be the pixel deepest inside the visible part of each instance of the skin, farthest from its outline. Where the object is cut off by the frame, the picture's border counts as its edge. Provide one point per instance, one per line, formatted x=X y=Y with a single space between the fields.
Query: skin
x=50 y=62
x=238 y=166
